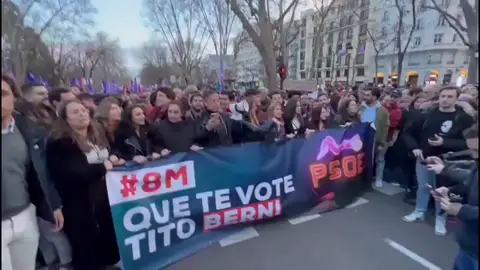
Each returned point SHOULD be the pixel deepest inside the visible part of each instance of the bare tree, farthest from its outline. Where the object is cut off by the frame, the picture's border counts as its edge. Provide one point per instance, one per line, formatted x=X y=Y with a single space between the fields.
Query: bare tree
x=404 y=28
x=465 y=24
x=89 y=54
x=156 y=66
x=41 y=16
x=219 y=21
x=323 y=8
x=261 y=31
x=184 y=34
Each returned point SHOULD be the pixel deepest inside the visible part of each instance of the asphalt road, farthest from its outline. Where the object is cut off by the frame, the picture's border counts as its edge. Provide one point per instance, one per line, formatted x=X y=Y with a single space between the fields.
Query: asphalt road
x=370 y=235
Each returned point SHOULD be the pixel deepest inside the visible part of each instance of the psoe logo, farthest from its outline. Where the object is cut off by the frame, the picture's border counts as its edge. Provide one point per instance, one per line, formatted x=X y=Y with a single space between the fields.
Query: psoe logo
x=329 y=145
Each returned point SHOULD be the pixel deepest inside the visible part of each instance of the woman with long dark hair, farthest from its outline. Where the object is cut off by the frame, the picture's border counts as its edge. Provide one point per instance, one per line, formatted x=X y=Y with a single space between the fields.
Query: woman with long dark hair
x=347 y=114
x=321 y=119
x=131 y=138
x=294 y=122
x=77 y=159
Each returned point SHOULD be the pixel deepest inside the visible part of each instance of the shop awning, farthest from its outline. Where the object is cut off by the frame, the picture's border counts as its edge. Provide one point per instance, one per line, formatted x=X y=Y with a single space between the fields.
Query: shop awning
x=436 y=72
x=394 y=74
x=464 y=72
x=412 y=73
x=380 y=75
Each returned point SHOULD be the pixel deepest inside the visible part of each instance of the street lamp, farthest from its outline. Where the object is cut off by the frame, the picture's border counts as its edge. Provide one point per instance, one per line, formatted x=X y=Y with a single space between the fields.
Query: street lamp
x=349 y=53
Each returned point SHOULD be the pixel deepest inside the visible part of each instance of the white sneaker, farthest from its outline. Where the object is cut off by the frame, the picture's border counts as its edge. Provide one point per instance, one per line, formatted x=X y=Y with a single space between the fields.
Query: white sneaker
x=414 y=216
x=378 y=183
x=440 y=228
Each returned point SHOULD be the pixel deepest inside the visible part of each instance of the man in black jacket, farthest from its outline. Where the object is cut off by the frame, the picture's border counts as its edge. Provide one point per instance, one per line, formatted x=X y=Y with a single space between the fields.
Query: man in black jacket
x=26 y=189
x=439 y=132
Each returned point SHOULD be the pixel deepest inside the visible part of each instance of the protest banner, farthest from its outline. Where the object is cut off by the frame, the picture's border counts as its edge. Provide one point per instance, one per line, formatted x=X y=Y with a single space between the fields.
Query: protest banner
x=170 y=208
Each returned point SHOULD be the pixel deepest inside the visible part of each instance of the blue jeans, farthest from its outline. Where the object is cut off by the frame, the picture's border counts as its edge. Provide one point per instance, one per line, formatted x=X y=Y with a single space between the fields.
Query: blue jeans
x=424 y=177
x=380 y=163
x=464 y=261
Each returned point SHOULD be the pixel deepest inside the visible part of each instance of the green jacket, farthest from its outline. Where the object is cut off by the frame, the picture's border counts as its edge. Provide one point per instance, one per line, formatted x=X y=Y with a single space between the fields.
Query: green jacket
x=382 y=124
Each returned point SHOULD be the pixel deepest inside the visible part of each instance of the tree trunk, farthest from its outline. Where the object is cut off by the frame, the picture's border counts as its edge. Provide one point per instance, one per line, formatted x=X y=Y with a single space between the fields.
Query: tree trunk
x=400 y=66
x=472 y=66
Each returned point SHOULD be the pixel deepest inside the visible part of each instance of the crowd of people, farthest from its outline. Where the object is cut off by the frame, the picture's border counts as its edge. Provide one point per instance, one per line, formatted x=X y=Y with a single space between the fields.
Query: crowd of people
x=58 y=144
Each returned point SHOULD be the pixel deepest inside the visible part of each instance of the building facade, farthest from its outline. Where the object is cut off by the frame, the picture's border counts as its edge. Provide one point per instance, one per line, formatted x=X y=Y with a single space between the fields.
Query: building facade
x=249 y=68
x=344 y=49
x=435 y=53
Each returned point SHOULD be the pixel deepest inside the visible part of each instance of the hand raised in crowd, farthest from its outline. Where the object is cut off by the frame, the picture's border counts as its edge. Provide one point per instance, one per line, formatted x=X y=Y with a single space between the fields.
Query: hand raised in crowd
x=156 y=155
x=418 y=154
x=213 y=122
x=108 y=165
x=140 y=159
x=435 y=164
x=196 y=148
x=165 y=152
x=438 y=141
x=59 y=221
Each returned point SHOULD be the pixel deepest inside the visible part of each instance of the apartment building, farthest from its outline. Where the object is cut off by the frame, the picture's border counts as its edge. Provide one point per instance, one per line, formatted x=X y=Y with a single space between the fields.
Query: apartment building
x=249 y=68
x=345 y=53
x=435 y=53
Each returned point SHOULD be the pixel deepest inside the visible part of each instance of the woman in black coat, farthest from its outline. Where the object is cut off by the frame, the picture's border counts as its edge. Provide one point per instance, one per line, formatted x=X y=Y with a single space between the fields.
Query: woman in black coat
x=176 y=134
x=131 y=137
x=77 y=159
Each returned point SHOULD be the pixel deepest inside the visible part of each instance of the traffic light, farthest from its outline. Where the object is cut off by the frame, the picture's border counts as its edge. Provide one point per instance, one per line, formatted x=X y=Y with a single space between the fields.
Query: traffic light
x=283 y=72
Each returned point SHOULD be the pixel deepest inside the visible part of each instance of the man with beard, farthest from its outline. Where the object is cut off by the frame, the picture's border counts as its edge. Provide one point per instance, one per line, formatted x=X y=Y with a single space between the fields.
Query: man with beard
x=195 y=103
x=58 y=96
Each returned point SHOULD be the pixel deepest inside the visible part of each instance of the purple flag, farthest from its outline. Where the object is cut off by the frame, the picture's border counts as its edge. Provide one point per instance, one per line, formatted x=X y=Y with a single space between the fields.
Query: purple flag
x=75 y=82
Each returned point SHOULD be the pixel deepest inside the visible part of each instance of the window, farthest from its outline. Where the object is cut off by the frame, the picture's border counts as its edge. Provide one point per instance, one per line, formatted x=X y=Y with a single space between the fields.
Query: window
x=385 y=16
x=339 y=47
x=342 y=22
x=360 y=71
x=302 y=75
x=329 y=62
x=441 y=20
x=320 y=51
x=349 y=33
x=347 y=59
x=302 y=44
x=360 y=59
x=362 y=44
x=302 y=65
x=364 y=15
x=419 y=24
x=340 y=35
x=319 y=74
x=304 y=21
x=327 y=74
x=302 y=33
x=319 y=63
x=350 y=20
x=417 y=41
x=332 y=25
x=363 y=30
x=383 y=32
x=381 y=46
x=330 y=37
x=338 y=73
x=345 y=73
x=330 y=50
x=302 y=56
x=437 y=39
x=450 y=58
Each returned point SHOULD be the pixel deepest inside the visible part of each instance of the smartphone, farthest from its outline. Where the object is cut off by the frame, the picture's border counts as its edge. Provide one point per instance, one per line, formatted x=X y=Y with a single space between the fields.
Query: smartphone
x=434 y=191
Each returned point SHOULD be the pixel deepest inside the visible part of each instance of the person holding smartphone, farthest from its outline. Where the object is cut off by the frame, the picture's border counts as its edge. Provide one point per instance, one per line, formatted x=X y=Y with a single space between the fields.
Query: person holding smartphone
x=461 y=200
x=435 y=133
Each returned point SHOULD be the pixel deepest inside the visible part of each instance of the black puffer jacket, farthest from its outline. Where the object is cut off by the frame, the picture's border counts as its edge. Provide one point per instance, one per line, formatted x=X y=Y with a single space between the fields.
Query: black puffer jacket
x=128 y=143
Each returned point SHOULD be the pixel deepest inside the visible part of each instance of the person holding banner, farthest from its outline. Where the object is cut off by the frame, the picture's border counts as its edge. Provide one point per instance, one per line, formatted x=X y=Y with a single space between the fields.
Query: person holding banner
x=176 y=134
x=77 y=160
x=131 y=138
x=275 y=114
